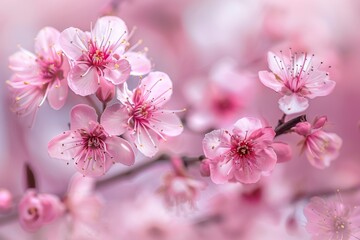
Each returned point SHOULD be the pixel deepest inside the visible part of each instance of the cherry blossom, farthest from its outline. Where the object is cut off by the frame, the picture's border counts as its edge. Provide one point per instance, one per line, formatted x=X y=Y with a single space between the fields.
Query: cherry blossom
x=89 y=145
x=332 y=219
x=83 y=206
x=39 y=76
x=101 y=54
x=6 y=199
x=36 y=210
x=241 y=155
x=179 y=188
x=141 y=113
x=296 y=79
x=320 y=147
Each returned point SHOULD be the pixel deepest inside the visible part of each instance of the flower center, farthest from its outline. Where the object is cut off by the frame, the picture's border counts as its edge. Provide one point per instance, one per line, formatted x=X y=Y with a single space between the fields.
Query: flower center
x=51 y=70
x=243 y=149
x=33 y=212
x=93 y=142
x=339 y=224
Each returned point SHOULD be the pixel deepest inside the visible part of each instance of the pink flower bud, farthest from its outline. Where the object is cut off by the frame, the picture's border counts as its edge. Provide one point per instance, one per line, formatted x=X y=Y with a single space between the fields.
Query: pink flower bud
x=6 y=200
x=36 y=210
x=319 y=122
x=303 y=128
x=205 y=168
x=106 y=91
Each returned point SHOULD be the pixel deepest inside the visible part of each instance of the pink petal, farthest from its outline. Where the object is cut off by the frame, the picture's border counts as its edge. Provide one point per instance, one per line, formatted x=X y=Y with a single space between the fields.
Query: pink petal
x=57 y=95
x=117 y=72
x=24 y=63
x=140 y=64
x=271 y=81
x=166 y=122
x=60 y=146
x=216 y=143
x=96 y=169
x=283 y=151
x=120 y=150
x=157 y=87
x=293 y=103
x=146 y=141
x=245 y=126
x=83 y=80
x=262 y=137
x=247 y=175
x=73 y=42
x=221 y=173
x=81 y=115
x=109 y=30
x=114 y=119
x=275 y=65
x=46 y=40
x=319 y=85
x=266 y=159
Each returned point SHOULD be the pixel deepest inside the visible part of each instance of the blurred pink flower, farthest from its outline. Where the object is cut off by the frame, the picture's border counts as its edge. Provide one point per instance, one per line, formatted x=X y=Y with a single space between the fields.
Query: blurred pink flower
x=321 y=148
x=84 y=207
x=36 y=210
x=39 y=76
x=219 y=99
x=179 y=188
x=6 y=199
x=242 y=155
x=89 y=145
x=141 y=113
x=332 y=219
x=101 y=54
x=296 y=79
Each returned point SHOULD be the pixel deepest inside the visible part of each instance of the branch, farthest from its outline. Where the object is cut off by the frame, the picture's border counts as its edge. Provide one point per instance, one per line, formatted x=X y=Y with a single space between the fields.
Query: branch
x=285 y=127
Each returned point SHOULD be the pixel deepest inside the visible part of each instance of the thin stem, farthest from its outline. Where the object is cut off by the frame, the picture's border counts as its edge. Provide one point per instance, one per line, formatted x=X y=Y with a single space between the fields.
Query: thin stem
x=93 y=104
x=143 y=166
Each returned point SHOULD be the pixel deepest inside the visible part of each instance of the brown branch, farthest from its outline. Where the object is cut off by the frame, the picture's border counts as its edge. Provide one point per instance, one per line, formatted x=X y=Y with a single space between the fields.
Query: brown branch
x=286 y=127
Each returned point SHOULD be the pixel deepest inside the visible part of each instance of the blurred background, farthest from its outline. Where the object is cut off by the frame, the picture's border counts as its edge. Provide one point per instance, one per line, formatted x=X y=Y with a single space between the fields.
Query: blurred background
x=212 y=50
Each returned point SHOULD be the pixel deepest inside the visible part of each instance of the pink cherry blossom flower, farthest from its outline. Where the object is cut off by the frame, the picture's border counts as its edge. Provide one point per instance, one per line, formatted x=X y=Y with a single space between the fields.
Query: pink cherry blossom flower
x=36 y=210
x=219 y=99
x=320 y=147
x=179 y=188
x=39 y=76
x=101 y=55
x=296 y=79
x=141 y=113
x=89 y=145
x=6 y=199
x=242 y=155
x=332 y=219
x=83 y=206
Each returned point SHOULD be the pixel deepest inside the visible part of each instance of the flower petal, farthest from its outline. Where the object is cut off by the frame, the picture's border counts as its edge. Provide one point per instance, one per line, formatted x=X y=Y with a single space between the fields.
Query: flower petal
x=216 y=143
x=156 y=88
x=140 y=64
x=245 y=126
x=221 y=172
x=83 y=80
x=117 y=72
x=283 y=151
x=319 y=85
x=114 y=119
x=61 y=146
x=293 y=103
x=146 y=141
x=45 y=41
x=109 y=30
x=271 y=81
x=120 y=150
x=57 y=95
x=81 y=115
x=73 y=42
x=166 y=122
